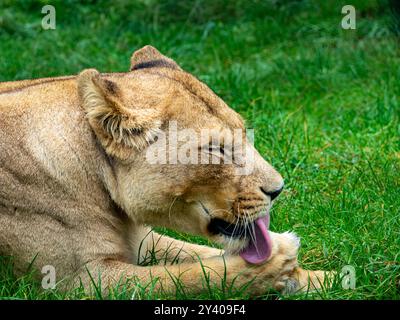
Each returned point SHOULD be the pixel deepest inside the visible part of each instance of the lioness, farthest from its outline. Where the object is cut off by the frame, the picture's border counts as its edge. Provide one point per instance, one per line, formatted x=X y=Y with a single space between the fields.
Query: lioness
x=77 y=192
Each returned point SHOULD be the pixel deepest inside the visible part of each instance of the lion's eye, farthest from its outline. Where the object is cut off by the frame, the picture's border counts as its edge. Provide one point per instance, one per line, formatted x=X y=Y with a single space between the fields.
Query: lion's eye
x=219 y=149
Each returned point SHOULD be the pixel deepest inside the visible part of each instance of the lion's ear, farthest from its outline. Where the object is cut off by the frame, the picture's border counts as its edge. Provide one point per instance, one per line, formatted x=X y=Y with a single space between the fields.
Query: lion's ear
x=148 y=57
x=120 y=129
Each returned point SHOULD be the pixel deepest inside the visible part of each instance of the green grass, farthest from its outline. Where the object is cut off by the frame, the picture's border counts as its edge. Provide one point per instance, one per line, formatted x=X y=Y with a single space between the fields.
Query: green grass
x=323 y=102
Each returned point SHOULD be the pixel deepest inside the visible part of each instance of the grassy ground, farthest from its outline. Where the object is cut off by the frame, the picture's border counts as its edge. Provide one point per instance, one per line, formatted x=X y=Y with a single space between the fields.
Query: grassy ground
x=323 y=102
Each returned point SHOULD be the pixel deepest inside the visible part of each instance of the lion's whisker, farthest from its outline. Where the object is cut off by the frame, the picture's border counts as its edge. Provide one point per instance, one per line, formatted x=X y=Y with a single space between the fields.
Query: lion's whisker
x=170 y=208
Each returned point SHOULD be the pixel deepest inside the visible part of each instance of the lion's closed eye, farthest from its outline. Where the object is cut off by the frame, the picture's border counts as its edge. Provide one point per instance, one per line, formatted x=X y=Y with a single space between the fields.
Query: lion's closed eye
x=219 y=151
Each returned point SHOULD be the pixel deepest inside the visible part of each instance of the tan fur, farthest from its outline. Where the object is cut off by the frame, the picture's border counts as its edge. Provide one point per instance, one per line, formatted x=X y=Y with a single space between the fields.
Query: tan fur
x=76 y=191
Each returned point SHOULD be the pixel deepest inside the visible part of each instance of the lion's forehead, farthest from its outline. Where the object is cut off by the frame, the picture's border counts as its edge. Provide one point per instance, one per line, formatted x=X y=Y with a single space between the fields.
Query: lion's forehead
x=181 y=94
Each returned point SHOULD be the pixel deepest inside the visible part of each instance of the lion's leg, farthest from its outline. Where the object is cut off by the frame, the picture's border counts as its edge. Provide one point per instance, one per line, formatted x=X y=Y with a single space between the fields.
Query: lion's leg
x=282 y=269
x=231 y=270
x=155 y=248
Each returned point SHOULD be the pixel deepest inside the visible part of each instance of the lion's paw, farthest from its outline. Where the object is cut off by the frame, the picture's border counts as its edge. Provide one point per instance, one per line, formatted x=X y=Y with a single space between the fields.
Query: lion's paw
x=305 y=281
x=286 y=244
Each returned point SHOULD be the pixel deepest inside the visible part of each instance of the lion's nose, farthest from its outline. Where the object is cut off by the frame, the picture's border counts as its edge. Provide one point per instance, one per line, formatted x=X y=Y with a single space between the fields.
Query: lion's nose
x=273 y=194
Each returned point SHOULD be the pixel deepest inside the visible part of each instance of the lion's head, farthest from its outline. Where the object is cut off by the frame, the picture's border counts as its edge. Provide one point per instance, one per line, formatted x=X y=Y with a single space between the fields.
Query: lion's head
x=188 y=184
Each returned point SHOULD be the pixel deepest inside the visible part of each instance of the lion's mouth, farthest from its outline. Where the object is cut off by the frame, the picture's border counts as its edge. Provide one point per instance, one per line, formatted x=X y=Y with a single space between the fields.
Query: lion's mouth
x=219 y=226
x=259 y=246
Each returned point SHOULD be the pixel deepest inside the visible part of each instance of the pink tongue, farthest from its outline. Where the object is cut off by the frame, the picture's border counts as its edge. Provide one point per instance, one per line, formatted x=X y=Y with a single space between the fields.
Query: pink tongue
x=259 y=249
